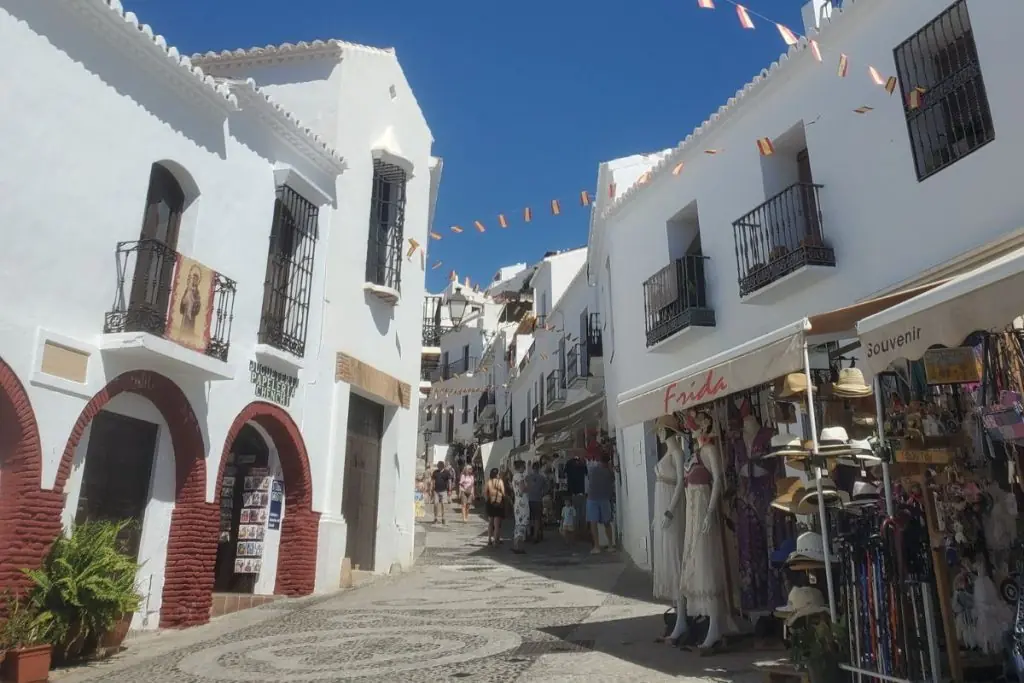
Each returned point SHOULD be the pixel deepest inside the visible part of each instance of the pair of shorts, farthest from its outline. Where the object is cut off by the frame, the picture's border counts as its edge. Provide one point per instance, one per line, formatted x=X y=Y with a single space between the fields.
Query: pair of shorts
x=599 y=511
x=440 y=497
x=465 y=497
x=536 y=510
x=495 y=511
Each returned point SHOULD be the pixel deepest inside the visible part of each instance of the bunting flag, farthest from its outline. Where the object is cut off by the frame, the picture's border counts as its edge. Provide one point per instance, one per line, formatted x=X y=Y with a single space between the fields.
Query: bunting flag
x=434 y=235
x=744 y=17
x=527 y=214
x=678 y=169
x=644 y=178
x=914 y=98
x=706 y=4
x=456 y=229
x=712 y=152
x=423 y=260
x=875 y=76
x=502 y=221
x=863 y=110
x=584 y=198
x=479 y=226
x=437 y=264
x=890 y=85
x=453 y=276
x=844 y=65
x=466 y=281
x=611 y=190
x=815 y=49
x=413 y=246
x=765 y=147
x=556 y=208
x=788 y=37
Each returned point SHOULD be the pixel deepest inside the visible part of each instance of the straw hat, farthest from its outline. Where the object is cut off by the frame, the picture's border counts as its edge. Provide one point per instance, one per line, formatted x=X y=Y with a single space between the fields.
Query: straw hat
x=805 y=566
x=809 y=548
x=851 y=384
x=669 y=422
x=808 y=503
x=802 y=602
x=793 y=385
x=787 y=445
x=860 y=454
x=790 y=490
x=864 y=493
x=832 y=440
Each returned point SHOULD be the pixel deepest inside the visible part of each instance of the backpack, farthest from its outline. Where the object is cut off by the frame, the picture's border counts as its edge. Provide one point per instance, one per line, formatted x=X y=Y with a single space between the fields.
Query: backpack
x=496 y=491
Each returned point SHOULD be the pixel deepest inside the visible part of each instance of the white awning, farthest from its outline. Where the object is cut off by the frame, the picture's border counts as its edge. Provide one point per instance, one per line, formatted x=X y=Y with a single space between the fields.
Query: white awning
x=987 y=298
x=748 y=365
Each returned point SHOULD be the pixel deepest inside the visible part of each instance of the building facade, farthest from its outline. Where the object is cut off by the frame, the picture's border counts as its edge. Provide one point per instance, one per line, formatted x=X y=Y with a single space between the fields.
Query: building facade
x=864 y=193
x=186 y=310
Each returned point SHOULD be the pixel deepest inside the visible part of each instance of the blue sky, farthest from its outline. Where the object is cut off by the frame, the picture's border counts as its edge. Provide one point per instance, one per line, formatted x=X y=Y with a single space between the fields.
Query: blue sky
x=524 y=98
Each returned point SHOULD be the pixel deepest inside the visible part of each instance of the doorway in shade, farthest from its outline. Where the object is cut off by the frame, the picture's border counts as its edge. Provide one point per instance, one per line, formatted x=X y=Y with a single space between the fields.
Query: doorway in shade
x=362 y=480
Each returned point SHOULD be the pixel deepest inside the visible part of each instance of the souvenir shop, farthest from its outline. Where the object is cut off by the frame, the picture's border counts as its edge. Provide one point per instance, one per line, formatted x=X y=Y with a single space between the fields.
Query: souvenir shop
x=867 y=525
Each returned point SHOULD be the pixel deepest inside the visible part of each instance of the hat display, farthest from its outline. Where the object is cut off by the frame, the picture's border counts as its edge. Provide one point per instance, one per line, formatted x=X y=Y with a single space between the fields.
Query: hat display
x=809 y=548
x=802 y=602
x=671 y=423
x=805 y=566
x=793 y=385
x=851 y=384
x=808 y=503
x=790 y=490
x=787 y=445
x=860 y=455
x=864 y=493
x=833 y=439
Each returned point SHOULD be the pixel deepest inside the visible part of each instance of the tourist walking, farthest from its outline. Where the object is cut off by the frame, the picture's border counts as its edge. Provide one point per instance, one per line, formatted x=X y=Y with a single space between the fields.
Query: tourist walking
x=494 y=506
x=440 y=487
x=466 y=485
x=521 y=507
x=599 y=502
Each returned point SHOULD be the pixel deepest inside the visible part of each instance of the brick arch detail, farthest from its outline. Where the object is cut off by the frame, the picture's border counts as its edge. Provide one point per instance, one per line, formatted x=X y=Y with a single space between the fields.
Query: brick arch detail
x=192 y=541
x=296 y=556
x=29 y=515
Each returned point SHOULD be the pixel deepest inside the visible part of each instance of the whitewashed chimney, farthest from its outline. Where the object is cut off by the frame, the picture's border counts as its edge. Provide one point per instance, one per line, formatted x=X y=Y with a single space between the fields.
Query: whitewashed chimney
x=816 y=13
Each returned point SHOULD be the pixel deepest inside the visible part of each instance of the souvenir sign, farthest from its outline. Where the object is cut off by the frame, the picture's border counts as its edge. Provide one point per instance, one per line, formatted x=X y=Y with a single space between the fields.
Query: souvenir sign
x=931 y=456
x=952 y=366
x=245 y=565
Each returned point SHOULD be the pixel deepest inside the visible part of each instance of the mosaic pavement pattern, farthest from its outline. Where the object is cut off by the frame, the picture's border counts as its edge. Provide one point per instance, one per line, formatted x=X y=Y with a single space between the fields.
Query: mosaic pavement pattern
x=466 y=612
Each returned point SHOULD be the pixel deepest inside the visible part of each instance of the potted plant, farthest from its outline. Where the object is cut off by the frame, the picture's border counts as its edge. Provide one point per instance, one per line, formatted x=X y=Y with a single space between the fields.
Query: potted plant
x=818 y=647
x=26 y=636
x=87 y=585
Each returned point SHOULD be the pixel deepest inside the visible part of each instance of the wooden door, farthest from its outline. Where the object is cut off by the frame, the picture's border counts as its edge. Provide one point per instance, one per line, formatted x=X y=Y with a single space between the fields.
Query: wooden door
x=118 y=471
x=156 y=256
x=362 y=480
x=810 y=229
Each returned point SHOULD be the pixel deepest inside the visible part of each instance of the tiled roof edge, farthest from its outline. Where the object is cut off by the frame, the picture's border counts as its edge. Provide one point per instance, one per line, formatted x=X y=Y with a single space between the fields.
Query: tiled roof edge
x=286 y=50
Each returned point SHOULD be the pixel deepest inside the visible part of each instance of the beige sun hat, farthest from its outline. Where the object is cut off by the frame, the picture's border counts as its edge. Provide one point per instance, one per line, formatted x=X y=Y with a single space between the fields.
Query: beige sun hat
x=851 y=384
x=803 y=601
x=808 y=503
x=793 y=385
x=787 y=445
x=669 y=422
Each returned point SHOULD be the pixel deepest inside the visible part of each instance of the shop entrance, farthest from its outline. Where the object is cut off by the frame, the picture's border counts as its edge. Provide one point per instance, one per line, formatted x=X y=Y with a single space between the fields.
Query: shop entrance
x=242 y=513
x=362 y=480
x=118 y=474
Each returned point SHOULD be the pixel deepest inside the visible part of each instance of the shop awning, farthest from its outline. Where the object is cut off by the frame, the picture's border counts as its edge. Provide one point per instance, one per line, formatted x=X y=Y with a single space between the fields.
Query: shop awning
x=748 y=365
x=571 y=416
x=987 y=298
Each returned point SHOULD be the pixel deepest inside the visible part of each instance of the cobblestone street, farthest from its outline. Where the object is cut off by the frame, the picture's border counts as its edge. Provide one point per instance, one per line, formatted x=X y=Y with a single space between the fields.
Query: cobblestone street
x=466 y=612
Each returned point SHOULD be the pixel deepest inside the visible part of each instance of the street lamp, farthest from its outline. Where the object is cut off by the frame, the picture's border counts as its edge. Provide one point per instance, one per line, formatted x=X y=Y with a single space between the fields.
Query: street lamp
x=457 y=303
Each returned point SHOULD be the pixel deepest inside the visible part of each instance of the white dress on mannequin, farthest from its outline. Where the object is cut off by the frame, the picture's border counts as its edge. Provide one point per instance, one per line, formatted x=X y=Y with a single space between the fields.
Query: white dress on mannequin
x=702 y=583
x=667 y=538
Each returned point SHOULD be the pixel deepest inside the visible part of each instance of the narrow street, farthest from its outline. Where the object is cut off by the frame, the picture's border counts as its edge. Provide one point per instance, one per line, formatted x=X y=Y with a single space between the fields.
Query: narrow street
x=465 y=612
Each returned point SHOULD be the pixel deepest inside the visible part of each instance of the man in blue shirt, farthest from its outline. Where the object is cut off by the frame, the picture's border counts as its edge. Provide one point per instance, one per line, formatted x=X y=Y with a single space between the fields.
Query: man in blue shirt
x=599 y=503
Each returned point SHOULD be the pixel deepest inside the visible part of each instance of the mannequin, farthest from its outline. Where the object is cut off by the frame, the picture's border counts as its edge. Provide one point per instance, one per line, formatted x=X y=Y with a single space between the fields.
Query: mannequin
x=702 y=579
x=668 y=531
x=758 y=591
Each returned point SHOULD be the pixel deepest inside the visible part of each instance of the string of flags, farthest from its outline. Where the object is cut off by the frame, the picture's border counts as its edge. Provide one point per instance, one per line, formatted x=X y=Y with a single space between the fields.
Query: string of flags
x=765 y=145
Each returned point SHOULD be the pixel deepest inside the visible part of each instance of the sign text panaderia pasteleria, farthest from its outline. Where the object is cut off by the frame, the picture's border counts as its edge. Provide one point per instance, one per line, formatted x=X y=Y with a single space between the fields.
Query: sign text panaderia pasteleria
x=893 y=343
x=272 y=384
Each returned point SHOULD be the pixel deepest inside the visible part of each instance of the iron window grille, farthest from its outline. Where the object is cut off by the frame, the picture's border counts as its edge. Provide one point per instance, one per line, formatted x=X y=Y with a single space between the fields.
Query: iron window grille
x=676 y=298
x=556 y=388
x=430 y=369
x=289 y=282
x=572 y=363
x=486 y=399
x=145 y=278
x=387 y=226
x=780 y=236
x=943 y=90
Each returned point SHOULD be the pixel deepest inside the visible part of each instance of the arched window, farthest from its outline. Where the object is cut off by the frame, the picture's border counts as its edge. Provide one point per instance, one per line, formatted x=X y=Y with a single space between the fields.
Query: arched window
x=165 y=202
x=156 y=253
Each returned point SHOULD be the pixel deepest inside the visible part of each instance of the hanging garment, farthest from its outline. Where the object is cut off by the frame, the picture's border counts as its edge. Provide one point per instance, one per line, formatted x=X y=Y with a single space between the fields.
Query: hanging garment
x=702 y=581
x=759 y=586
x=521 y=507
x=667 y=542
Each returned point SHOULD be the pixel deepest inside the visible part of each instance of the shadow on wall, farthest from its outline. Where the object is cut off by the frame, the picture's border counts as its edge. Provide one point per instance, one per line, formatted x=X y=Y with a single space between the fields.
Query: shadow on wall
x=382 y=313
x=61 y=24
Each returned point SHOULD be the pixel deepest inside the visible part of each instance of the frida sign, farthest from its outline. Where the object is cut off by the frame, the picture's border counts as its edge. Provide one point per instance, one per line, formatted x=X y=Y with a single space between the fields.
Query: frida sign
x=696 y=390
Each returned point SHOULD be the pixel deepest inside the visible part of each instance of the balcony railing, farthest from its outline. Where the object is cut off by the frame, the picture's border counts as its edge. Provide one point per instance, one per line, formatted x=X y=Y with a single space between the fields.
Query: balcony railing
x=526 y=359
x=432 y=333
x=194 y=309
x=781 y=236
x=572 y=364
x=595 y=342
x=675 y=298
x=505 y=429
x=459 y=367
x=429 y=369
x=486 y=399
x=555 y=389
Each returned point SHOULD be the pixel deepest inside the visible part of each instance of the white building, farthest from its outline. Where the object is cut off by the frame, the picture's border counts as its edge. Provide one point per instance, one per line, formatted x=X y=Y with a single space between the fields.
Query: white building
x=197 y=313
x=850 y=204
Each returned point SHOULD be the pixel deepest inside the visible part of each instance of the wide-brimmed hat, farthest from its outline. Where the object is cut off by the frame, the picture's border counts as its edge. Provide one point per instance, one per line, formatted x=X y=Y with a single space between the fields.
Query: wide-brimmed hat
x=808 y=503
x=787 y=445
x=851 y=384
x=671 y=423
x=792 y=386
x=802 y=602
x=789 y=490
x=833 y=439
x=809 y=548
x=864 y=493
x=860 y=454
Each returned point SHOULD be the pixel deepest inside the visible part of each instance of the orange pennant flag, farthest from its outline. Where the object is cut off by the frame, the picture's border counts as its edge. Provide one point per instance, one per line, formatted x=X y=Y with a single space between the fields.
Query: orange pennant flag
x=479 y=226
x=711 y=152
x=502 y=221
x=678 y=169
x=456 y=228
x=706 y=4
x=744 y=17
x=527 y=215
x=844 y=65
x=863 y=110
x=875 y=76
x=453 y=276
x=788 y=36
x=584 y=198
x=434 y=235
x=437 y=264
x=890 y=85
x=611 y=190
x=765 y=147
x=815 y=49
x=914 y=98
x=556 y=208
x=644 y=178
x=413 y=246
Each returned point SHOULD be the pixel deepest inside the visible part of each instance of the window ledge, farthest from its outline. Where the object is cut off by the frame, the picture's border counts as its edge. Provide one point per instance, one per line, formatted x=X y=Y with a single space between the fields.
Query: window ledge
x=278 y=359
x=389 y=295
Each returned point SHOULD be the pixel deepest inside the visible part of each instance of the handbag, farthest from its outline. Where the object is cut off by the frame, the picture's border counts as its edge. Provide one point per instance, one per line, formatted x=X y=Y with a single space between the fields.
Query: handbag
x=1005 y=421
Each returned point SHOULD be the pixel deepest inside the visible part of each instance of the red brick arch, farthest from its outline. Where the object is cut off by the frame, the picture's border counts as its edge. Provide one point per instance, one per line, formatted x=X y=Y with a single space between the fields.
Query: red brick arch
x=192 y=541
x=29 y=515
x=296 y=556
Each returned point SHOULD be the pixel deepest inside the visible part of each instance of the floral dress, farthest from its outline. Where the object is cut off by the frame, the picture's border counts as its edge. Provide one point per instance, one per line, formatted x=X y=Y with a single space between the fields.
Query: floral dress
x=521 y=506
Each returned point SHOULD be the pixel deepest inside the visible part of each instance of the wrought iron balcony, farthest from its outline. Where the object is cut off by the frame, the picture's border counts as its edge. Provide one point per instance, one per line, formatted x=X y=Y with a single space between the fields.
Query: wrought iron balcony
x=505 y=429
x=430 y=369
x=572 y=364
x=675 y=298
x=555 y=389
x=194 y=308
x=781 y=236
x=486 y=399
x=459 y=367
x=529 y=354
x=432 y=334
x=595 y=342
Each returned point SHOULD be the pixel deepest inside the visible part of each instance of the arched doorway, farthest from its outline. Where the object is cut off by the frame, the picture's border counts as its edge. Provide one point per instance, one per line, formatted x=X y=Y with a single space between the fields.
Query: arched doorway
x=191 y=542
x=29 y=515
x=296 y=555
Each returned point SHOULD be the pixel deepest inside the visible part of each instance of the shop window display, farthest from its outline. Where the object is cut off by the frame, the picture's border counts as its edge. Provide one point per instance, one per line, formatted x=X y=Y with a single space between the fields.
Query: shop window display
x=244 y=500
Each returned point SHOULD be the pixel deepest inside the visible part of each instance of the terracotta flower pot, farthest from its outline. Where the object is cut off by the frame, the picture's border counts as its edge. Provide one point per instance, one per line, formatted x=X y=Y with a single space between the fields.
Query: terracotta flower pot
x=111 y=640
x=27 y=664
